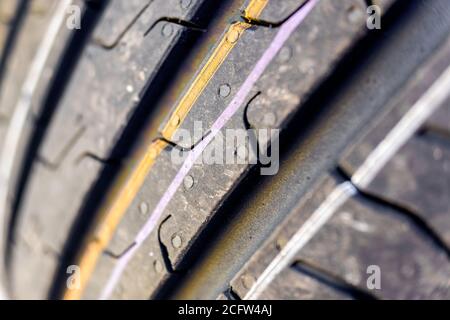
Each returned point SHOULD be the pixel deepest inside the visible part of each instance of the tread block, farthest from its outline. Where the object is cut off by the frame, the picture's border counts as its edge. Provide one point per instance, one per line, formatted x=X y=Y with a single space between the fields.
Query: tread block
x=144 y=202
x=301 y=65
x=197 y=203
x=363 y=234
x=54 y=221
x=192 y=209
x=145 y=273
x=439 y=122
x=100 y=97
x=419 y=82
x=282 y=87
x=133 y=284
x=210 y=185
x=280 y=237
x=425 y=245
x=360 y=234
x=131 y=66
x=418 y=178
x=21 y=275
x=150 y=255
x=28 y=39
x=229 y=76
x=7 y=11
x=293 y=285
x=117 y=19
x=121 y=16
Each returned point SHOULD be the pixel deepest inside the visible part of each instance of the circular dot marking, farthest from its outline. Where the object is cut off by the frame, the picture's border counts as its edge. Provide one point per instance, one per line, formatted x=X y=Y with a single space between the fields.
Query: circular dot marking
x=233 y=36
x=188 y=182
x=167 y=30
x=143 y=207
x=224 y=90
x=248 y=281
x=285 y=54
x=175 y=120
x=176 y=241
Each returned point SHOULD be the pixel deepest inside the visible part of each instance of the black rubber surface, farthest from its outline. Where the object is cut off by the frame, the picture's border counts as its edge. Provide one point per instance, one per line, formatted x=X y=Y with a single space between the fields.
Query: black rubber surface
x=335 y=90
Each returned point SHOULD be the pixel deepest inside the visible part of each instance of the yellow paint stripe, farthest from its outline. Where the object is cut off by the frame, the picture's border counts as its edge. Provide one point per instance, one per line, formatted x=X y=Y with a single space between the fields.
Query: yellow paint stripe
x=216 y=59
x=254 y=9
x=122 y=197
x=201 y=81
x=111 y=217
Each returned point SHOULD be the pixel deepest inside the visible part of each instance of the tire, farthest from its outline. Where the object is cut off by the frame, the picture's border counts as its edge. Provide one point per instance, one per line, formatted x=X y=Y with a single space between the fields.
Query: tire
x=356 y=207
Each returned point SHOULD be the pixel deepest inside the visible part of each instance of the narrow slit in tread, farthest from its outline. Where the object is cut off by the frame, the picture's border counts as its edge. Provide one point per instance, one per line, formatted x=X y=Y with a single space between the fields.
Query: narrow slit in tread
x=187 y=24
x=124 y=32
x=416 y=219
x=332 y=280
x=440 y=135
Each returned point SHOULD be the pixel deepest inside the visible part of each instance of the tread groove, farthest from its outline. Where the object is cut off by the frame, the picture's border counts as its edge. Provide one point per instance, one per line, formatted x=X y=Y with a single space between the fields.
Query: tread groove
x=151 y=94
x=16 y=25
x=54 y=92
x=248 y=218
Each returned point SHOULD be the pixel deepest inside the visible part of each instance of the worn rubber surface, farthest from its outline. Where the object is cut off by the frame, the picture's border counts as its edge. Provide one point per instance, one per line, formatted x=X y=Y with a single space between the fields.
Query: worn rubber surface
x=364 y=172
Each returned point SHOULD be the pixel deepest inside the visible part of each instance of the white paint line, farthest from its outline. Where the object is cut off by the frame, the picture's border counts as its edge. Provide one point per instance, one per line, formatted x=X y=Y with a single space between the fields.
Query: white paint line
x=317 y=220
x=394 y=140
x=22 y=109
x=405 y=128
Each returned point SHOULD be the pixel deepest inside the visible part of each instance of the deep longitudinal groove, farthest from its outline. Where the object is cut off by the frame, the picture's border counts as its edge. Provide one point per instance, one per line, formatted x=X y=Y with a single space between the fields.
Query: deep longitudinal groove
x=151 y=95
x=66 y=66
x=232 y=228
x=15 y=26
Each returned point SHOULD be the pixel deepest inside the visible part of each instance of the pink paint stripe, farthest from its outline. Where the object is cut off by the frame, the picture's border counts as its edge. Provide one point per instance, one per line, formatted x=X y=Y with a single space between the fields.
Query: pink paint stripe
x=283 y=34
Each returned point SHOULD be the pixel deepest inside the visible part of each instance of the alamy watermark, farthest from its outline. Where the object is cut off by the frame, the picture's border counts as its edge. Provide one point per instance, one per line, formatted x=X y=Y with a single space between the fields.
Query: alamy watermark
x=231 y=147
x=374 y=279
x=374 y=17
x=73 y=21
x=73 y=281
